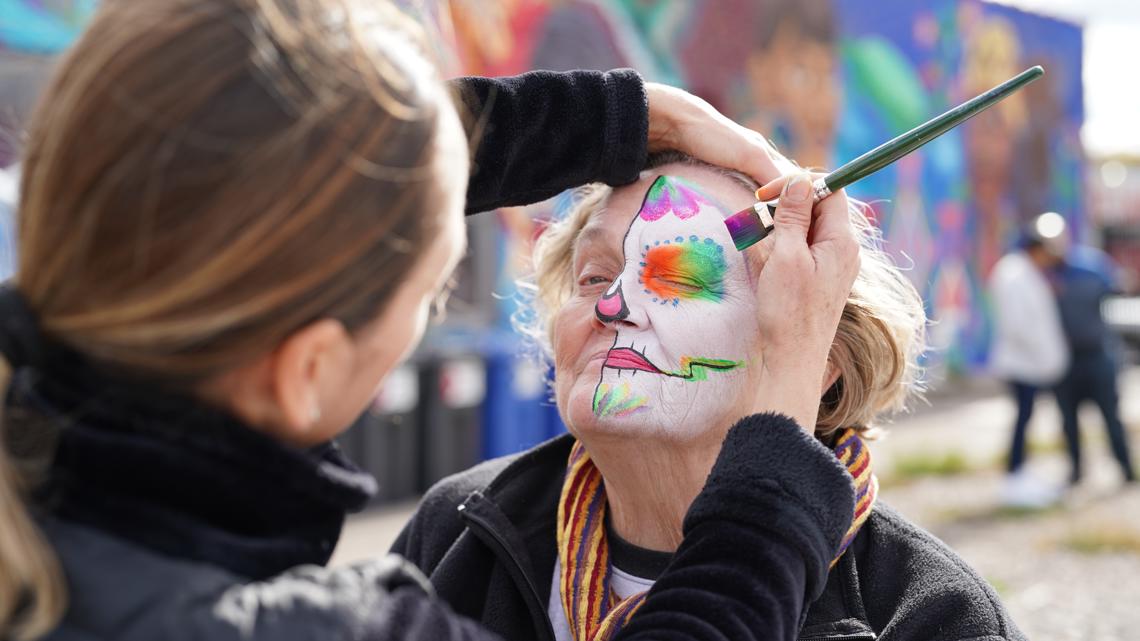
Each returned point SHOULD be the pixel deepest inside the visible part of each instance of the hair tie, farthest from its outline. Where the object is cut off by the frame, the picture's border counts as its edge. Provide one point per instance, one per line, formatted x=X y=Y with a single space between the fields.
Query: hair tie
x=21 y=341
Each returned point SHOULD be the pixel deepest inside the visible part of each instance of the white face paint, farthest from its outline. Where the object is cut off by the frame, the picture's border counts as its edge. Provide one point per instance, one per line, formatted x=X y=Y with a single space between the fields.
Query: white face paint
x=678 y=309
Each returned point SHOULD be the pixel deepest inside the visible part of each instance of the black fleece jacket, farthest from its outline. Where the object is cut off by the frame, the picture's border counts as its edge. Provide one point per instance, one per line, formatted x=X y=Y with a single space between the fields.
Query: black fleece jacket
x=486 y=540
x=173 y=521
x=540 y=133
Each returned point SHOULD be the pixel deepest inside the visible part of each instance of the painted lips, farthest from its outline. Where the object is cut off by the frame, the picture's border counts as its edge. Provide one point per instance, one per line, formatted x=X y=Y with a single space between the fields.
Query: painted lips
x=693 y=368
x=626 y=358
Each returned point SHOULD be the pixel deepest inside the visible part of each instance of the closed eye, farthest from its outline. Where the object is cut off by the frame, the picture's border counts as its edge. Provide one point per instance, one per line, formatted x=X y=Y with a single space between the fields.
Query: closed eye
x=680 y=285
x=687 y=269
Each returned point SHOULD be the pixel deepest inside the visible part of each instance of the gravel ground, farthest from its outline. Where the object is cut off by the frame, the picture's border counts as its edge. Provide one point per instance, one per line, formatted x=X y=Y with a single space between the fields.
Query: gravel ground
x=1070 y=573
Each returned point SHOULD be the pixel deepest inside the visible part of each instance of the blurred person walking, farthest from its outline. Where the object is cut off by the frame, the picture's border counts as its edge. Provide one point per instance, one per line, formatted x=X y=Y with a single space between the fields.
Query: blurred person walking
x=1083 y=280
x=1029 y=350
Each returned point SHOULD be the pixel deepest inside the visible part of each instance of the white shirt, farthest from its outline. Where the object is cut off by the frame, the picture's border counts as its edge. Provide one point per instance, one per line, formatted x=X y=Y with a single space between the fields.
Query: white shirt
x=624 y=585
x=1029 y=342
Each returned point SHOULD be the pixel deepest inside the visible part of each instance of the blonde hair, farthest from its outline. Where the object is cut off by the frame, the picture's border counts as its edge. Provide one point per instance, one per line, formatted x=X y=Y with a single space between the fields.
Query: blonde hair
x=880 y=337
x=202 y=179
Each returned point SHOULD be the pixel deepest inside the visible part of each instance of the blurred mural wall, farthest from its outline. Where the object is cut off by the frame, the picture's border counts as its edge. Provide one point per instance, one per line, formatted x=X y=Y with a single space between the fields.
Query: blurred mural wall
x=31 y=33
x=827 y=80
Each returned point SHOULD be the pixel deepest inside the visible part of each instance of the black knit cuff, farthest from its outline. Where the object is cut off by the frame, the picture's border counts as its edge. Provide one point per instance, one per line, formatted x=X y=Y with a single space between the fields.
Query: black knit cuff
x=626 y=132
x=772 y=474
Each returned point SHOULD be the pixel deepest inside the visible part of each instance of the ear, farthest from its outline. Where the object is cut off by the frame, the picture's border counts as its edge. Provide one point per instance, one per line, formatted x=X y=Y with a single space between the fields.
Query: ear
x=312 y=360
x=829 y=378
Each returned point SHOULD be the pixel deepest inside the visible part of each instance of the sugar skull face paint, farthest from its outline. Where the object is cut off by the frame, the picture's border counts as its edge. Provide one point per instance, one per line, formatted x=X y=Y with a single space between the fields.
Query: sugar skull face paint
x=677 y=305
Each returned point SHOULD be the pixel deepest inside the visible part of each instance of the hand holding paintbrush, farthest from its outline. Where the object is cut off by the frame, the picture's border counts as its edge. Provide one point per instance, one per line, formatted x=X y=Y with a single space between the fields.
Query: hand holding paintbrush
x=752 y=225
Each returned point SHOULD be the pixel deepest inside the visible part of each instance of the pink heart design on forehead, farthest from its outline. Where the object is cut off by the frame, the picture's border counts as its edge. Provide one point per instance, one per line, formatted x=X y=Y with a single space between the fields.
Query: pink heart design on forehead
x=670 y=194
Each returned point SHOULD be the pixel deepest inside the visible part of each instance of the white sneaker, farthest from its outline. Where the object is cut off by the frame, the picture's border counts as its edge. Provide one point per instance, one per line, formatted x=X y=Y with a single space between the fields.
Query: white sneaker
x=1023 y=491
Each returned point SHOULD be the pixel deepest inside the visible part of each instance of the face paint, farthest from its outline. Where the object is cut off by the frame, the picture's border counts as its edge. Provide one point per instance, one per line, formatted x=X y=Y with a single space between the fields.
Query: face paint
x=616 y=402
x=670 y=195
x=684 y=269
x=681 y=308
x=692 y=368
x=611 y=306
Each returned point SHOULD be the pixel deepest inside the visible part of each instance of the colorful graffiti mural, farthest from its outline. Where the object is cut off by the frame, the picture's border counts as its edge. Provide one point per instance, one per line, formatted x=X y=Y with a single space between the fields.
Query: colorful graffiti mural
x=826 y=80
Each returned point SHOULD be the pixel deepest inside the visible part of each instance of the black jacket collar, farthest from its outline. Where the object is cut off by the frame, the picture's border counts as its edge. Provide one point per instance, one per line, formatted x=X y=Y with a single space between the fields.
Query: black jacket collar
x=515 y=514
x=183 y=479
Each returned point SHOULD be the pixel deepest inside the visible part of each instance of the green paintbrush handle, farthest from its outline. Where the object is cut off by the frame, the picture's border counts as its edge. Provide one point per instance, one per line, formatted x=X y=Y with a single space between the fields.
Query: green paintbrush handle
x=902 y=145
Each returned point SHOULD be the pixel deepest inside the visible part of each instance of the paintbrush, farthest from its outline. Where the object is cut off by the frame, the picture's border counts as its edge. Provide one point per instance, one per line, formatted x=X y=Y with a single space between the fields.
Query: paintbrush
x=751 y=225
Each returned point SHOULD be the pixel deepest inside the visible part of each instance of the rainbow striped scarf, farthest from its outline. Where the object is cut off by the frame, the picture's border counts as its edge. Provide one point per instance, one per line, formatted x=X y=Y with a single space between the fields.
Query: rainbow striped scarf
x=595 y=613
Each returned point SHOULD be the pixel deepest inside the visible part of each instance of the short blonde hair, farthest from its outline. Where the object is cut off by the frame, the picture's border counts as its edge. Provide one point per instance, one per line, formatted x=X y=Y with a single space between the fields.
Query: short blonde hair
x=880 y=337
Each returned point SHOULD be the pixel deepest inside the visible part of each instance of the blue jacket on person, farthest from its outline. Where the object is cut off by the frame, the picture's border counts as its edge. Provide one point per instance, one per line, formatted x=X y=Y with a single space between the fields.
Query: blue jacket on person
x=1083 y=282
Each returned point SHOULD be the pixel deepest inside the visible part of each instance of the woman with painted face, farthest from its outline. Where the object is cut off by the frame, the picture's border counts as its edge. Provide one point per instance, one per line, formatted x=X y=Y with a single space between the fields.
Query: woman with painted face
x=661 y=334
x=234 y=217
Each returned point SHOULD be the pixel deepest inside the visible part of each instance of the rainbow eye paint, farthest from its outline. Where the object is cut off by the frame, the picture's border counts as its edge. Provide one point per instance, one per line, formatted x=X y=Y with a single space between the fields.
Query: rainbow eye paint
x=684 y=269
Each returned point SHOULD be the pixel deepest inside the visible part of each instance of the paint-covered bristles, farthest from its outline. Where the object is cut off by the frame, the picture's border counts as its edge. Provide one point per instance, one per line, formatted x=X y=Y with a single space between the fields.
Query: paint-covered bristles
x=745 y=228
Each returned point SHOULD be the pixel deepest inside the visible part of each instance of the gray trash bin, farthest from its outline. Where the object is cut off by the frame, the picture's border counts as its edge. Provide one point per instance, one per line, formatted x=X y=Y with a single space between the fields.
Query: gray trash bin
x=454 y=387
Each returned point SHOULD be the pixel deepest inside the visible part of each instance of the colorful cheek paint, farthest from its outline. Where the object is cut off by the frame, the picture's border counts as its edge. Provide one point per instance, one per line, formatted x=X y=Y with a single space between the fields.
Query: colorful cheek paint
x=694 y=368
x=618 y=402
x=684 y=269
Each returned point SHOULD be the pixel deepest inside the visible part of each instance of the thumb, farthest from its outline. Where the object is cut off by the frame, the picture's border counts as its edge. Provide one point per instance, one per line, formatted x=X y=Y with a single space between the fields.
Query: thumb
x=793 y=213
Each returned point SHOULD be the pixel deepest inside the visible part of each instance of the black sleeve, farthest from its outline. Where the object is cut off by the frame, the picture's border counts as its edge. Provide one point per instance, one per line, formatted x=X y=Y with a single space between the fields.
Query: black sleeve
x=540 y=133
x=759 y=540
x=758 y=543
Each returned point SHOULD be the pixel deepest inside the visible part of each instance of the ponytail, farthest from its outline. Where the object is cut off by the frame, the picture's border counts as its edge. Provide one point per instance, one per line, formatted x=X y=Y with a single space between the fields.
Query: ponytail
x=32 y=591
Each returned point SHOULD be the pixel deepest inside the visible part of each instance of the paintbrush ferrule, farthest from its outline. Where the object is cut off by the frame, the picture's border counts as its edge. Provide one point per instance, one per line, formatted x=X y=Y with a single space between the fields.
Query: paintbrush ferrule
x=820 y=189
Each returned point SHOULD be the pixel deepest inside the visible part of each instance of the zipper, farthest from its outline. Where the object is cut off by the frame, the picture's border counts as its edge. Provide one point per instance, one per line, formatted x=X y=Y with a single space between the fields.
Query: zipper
x=530 y=594
x=841 y=636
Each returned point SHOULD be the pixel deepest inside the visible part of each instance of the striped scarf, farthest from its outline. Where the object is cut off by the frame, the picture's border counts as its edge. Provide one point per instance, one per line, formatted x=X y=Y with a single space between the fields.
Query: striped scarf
x=594 y=612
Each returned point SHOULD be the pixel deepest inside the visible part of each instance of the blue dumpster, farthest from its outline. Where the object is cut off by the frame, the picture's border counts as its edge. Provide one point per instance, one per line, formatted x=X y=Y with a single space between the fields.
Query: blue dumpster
x=515 y=415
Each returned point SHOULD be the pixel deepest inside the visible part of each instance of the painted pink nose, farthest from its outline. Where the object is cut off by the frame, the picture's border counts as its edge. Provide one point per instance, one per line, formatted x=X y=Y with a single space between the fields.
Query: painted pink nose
x=611 y=306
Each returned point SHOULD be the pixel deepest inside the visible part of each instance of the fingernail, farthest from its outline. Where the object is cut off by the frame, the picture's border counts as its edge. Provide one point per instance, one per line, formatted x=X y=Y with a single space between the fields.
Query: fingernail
x=797 y=189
